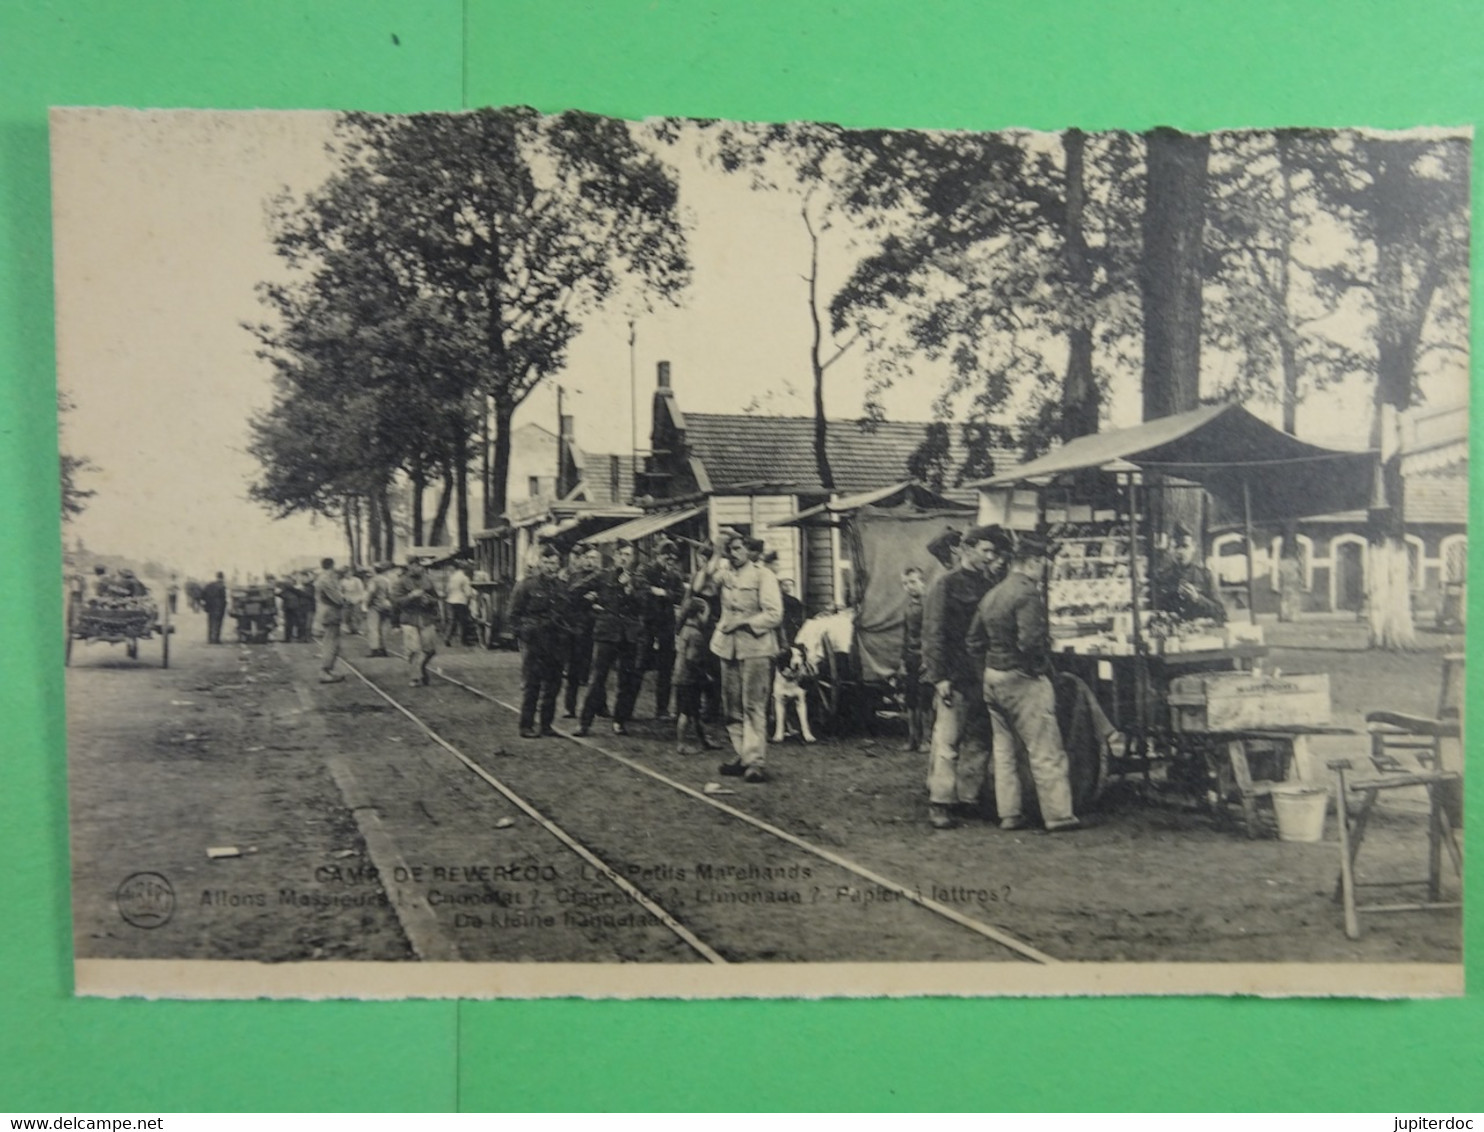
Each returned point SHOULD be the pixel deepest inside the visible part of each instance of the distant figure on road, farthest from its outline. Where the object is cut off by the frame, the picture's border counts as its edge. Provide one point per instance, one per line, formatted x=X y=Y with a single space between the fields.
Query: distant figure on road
x=379 y=609
x=415 y=600
x=460 y=591
x=172 y=593
x=214 y=601
x=355 y=601
x=329 y=596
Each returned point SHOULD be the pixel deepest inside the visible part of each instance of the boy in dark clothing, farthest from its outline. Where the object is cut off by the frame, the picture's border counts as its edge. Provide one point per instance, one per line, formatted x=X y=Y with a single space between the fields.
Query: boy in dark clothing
x=692 y=652
x=914 y=692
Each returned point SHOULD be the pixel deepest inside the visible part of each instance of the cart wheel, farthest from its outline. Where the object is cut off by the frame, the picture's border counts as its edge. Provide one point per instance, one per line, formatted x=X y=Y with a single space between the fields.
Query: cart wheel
x=827 y=692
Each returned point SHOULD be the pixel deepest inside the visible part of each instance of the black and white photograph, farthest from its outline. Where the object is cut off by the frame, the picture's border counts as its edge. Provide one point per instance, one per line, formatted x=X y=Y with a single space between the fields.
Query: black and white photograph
x=511 y=554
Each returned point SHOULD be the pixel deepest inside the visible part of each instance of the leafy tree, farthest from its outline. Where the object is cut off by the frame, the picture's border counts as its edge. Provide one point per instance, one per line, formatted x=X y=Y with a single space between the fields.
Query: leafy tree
x=74 y=496
x=1277 y=268
x=459 y=255
x=1017 y=255
x=1407 y=200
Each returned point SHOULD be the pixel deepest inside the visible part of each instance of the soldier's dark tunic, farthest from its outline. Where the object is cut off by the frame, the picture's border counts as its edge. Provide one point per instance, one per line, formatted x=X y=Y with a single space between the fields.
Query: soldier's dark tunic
x=619 y=622
x=580 y=582
x=539 y=616
x=657 y=643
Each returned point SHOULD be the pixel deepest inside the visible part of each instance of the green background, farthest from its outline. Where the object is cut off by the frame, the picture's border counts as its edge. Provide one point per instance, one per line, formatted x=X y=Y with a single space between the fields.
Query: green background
x=965 y=63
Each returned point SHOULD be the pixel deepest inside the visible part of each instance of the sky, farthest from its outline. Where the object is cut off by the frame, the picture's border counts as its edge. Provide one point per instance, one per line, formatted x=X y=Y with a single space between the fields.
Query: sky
x=160 y=236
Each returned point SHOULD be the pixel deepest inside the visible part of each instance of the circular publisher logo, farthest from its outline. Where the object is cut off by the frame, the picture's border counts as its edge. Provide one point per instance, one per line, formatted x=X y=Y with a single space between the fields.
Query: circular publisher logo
x=146 y=900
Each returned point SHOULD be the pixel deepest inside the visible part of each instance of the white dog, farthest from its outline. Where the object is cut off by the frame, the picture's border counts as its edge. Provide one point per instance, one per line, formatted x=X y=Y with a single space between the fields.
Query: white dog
x=789 y=684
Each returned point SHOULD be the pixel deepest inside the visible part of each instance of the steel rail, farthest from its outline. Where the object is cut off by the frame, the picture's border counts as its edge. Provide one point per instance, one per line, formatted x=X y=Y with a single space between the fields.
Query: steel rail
x=607 y=871
x=988 y=931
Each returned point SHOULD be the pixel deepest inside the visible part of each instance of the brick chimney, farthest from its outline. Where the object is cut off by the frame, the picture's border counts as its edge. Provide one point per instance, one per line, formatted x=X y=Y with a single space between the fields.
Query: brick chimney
x=663 y=375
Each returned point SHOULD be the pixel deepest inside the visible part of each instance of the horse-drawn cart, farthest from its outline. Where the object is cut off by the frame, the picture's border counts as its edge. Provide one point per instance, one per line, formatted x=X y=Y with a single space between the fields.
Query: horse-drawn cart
x=255 y=609
x=118 y=615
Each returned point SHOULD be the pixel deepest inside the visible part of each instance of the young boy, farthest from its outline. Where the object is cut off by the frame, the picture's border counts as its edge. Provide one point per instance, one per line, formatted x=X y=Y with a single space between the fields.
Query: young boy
x=692 y=655
x=914 y=701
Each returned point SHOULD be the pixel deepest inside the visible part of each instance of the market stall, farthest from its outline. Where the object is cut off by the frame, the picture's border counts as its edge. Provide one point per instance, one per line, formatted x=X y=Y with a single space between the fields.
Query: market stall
x=1115 y=503
x=883 y=532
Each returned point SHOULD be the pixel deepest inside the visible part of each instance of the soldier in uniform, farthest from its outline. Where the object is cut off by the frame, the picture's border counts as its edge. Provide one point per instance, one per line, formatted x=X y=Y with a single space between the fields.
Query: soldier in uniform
x=1011 y=646
x=214 y=601
x=665 y=587
x=745 y=641
x=415 y=600
x=618 y=604
x=960 y=740
x=1183 y=586
x=538 y=614
x=583 y=568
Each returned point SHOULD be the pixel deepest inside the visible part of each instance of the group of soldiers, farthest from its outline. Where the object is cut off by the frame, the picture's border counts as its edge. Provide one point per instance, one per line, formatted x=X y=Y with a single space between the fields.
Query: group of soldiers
x=713 y=631
x=977 y=647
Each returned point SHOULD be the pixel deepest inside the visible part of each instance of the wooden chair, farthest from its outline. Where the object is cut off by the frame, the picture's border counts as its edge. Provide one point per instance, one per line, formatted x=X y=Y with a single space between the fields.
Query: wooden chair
x=1425 y=740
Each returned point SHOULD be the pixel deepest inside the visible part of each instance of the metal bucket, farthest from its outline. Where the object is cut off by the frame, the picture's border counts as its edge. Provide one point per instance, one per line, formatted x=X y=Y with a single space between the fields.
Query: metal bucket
x=1300 y=810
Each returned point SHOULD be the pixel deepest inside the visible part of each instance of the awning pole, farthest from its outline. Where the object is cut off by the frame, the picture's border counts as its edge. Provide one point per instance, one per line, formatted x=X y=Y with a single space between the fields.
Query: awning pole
x=1133 y=554
x=1251 y=578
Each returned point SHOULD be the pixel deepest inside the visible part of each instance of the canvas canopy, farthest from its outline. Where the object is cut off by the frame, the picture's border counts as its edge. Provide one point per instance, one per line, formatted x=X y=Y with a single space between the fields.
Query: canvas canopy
x=884 y=541
x=646 y=525
x=1230 y=453
x=908 y=493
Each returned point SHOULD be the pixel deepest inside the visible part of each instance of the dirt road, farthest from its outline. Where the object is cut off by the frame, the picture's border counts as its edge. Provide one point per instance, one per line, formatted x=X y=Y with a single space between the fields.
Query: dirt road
x=357 y=835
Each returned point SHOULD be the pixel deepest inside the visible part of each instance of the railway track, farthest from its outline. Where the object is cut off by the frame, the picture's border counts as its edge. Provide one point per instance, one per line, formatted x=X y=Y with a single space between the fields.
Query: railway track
x=1003 y=942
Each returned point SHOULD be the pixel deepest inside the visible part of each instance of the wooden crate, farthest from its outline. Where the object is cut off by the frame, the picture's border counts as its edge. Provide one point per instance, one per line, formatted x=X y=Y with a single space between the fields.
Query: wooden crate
x=1238 y=701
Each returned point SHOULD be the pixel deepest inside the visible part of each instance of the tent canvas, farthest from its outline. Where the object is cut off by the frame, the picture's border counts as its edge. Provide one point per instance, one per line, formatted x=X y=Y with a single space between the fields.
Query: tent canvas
x=883 y=542
x=1230 y=453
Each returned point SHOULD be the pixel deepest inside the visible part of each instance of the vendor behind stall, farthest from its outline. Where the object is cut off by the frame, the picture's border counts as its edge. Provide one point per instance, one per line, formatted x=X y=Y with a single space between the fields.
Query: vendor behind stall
x=1183 y=586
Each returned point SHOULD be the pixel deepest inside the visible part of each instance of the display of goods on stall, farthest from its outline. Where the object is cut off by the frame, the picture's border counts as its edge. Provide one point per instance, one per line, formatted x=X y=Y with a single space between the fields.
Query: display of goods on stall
x=1241 y=701
x=1090 y=581
x=117 y=616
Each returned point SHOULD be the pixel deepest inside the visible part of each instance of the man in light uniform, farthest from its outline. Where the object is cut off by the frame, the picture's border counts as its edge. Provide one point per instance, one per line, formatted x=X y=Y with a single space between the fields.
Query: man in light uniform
x=329 y=598
x=379 y=609
x=745 y=641
x=1010 y=642
x=415 y=599
x=460 y=591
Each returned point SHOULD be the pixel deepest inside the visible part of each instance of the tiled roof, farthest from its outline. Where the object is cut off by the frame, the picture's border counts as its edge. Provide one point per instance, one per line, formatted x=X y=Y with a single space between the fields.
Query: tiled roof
x=597 y=471
x=743 y=450
x=1437 y=499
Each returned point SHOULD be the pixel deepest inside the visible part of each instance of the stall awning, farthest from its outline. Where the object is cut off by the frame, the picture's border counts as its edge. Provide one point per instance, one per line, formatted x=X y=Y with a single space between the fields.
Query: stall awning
x=1229 y=452
x=890 y=496
x=645 y=525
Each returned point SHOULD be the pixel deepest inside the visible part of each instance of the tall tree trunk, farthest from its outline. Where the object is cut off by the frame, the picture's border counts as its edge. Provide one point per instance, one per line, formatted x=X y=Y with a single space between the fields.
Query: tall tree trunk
x=500 y=470
x=1171 y=278
x=373 y=526
x=419 y=484
x=1080 y=399
x=388 y=526
x=1287 y=332
x=1388 y=594
x=487 y=516
x=438 y=535
x=461 y=485
x=817 y=364
x=350 y=530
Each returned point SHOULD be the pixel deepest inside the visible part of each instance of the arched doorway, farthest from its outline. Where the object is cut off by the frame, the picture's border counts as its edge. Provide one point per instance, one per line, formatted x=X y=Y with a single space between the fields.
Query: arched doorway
x=1349 y=583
